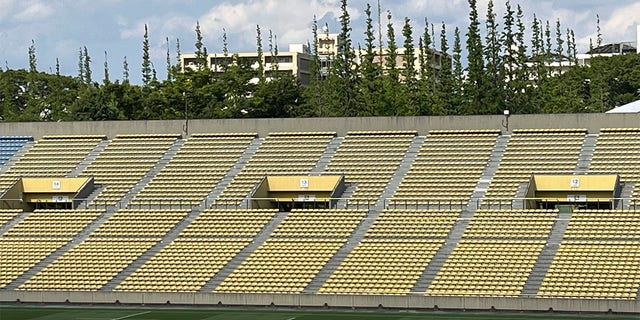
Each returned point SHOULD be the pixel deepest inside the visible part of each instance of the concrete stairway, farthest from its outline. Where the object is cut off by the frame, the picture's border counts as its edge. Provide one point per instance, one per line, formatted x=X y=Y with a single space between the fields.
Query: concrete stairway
x=532 y=285
x=5 y=227
x=429 y=273
x=336 y=260
x=624 y=201
x=92 y=155
x=16 y=156
x=234 y=171
x=326 y=157
x=235 y=262
x=79 y=238
x=521 y=193
x=164 y=160
x=89 y=199
x=361 y=230
x=461 y=224
x=586 y=153
x=489 y=171
x=404 y=166
x=147 y=255
x=344 y=198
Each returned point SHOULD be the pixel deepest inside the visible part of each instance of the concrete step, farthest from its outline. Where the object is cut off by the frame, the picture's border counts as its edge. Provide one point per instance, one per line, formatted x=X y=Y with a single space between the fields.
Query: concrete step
x=493 y=163
x=145 y=257
x=336 y=260
x=328 y=154
x=16 y=156
x=586 y=153
x=438 y=260
x=164 y=160
x=540 y=268
x=401 y=171
x=234 y=171
x=237 y=260
x=11 y=223
x=92 y=155
x=78 y=239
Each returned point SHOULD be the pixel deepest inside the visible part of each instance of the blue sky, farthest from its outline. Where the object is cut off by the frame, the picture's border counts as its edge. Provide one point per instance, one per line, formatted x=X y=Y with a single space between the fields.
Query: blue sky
x=60 y=27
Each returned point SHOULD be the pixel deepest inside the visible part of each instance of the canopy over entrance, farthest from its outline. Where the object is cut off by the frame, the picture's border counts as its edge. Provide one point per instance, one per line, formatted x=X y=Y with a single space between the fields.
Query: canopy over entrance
x=47 y=193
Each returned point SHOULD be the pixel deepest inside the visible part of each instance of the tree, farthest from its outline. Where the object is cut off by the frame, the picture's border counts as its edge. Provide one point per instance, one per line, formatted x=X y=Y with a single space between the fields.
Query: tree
x=457 y=95
x=391 y=84
x=125 y=70
x=260 y=56
x=443 y=105
x=496 y=63
x=409 y=74
x=146 y=61
x=168 y=59
x=475 y=84
x=344 y=71
x=106 y=69
x=370 y=78
x=81 y=66
x=201 y=50
x=88 y=79
x=599 y=39
x=57 y=67
x=32 y=57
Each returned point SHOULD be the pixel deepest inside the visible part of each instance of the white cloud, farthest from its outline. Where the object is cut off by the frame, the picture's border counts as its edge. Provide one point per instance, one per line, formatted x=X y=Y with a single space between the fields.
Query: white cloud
x=289 y=19
x=34 y=11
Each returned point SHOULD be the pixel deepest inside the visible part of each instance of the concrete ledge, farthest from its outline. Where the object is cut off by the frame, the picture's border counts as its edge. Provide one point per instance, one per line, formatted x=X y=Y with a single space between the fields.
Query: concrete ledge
x=591 y=121
x=410 y=302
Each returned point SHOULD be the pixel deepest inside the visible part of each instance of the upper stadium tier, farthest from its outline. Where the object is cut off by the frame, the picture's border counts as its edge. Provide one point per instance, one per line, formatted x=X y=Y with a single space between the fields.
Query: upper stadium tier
x=536 y=207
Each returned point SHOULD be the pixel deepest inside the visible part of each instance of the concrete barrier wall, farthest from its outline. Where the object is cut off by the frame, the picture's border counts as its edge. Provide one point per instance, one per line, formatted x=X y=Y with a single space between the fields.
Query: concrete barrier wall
x=328 y=301
x=591 y=121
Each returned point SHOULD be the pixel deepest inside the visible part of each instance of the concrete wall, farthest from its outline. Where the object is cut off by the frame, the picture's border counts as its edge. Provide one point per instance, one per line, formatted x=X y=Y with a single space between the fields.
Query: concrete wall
x=331 y=301
x=592 y=121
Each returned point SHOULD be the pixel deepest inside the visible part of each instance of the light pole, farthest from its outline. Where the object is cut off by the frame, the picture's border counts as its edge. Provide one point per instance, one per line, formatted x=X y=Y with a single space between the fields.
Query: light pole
x=186 y=115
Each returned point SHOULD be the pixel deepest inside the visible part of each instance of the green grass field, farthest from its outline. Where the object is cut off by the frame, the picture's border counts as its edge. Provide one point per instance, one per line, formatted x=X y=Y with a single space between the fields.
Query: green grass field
x=164 y=313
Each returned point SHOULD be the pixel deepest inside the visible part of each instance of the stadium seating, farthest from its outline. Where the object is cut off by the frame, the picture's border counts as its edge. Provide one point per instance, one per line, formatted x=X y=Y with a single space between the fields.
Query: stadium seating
x=199 y=252
x=9 y=145
x=124 y=162
x=296 y=251
x=193 y=172
x=529 y=151
x=597 y=258
x=7 y=215
x=393 y=254
x=369 y=159
x=447 y=167
x=618 y=151
x=279 y=153
x=496 y=254
x=51 y=156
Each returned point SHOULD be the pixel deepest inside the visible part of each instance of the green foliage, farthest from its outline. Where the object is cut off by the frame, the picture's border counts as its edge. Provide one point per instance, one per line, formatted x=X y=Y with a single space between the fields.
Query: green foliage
x=374 y=81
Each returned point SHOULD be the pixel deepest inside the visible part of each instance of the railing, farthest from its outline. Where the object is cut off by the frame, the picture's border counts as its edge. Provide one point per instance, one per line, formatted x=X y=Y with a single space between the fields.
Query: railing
x=626 y=204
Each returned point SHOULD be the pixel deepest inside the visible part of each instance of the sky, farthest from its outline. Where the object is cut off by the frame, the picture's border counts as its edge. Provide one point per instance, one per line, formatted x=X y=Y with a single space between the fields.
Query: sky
x=113 y=29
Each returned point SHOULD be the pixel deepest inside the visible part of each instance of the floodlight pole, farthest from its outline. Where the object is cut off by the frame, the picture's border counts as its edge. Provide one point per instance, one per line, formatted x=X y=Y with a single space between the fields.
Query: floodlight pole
x=186 y=115
x=505 y=121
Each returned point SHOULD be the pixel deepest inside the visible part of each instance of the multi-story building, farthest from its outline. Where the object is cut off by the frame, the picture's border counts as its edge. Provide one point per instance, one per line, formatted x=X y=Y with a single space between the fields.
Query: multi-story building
x=296 y=61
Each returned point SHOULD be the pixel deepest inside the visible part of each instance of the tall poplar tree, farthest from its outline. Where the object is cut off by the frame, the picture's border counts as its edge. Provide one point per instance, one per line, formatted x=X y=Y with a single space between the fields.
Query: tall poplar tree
x=201 y=50
x=409 y=74
x=494 y=62
x=33 y=62
x=146 y=61
x=475 y=84
x=88 y=77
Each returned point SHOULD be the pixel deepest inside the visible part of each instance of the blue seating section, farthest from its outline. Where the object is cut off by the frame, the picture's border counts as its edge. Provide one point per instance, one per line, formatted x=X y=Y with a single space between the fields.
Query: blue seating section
x=10 y=144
